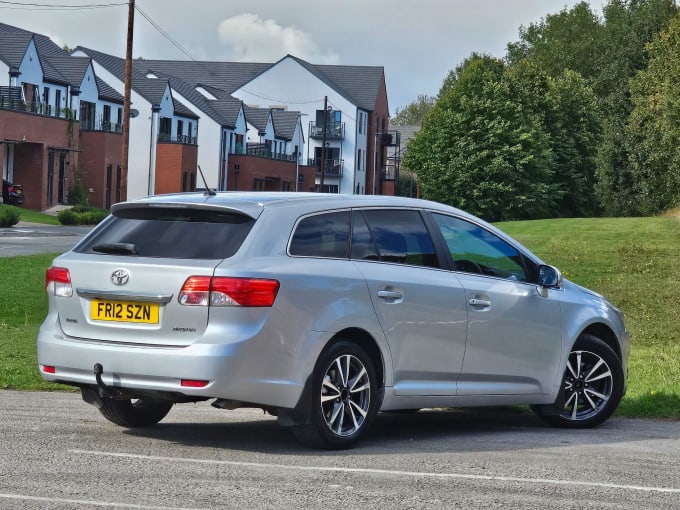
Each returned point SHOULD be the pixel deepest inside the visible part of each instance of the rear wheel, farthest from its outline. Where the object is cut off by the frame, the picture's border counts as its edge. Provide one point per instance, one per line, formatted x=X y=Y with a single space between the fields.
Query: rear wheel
x=345 y=398
x=142 y=412
x=592 y=386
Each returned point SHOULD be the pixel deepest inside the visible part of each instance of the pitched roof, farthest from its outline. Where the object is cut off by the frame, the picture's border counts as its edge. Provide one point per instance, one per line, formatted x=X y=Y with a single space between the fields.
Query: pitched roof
x=65 y=69
x=359 y=84
x=13 y=44
x=284 y=123
x=107 y=93
x=258 y=117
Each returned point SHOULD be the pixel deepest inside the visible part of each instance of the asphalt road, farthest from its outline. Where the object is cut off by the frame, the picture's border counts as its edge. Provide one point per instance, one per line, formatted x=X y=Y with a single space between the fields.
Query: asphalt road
x=32 y=238
x=57 y=452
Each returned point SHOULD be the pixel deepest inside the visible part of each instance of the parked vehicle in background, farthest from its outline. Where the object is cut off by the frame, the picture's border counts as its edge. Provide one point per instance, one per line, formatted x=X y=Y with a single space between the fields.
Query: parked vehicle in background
x=322 y=310
x=12 y=194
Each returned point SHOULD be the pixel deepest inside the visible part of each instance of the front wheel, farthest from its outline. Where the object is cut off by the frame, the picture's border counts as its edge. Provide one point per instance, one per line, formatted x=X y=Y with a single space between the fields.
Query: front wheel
x=592 y=386
x=142 y=412
x=345 y=398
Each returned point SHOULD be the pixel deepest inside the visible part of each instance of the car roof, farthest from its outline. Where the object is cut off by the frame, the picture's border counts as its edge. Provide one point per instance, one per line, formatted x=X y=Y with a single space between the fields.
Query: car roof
x=253 y=202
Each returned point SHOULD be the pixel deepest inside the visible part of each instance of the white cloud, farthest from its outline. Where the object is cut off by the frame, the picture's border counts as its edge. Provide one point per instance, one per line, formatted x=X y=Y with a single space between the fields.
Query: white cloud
x=253 y=39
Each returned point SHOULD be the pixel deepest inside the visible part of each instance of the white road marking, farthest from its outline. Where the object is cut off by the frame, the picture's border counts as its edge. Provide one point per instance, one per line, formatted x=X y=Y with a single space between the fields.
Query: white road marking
x=89 y=503
x=463 y=476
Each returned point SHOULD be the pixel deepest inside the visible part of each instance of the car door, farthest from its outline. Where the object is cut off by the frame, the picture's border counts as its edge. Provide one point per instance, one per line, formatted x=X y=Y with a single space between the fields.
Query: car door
x=514 y=334
x=420 y=306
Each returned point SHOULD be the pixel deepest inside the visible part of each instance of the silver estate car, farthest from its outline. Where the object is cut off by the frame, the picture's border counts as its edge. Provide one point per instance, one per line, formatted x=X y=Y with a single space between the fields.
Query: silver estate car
x=322 y=310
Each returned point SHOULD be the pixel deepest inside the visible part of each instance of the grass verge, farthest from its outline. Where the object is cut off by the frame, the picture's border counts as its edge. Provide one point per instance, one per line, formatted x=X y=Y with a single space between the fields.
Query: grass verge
x=629 y=260
x=32 y=216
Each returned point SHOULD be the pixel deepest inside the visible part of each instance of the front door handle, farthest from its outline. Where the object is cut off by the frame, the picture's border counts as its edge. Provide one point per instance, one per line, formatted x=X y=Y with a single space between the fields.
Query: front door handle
x=390 y=294
x=480 y=302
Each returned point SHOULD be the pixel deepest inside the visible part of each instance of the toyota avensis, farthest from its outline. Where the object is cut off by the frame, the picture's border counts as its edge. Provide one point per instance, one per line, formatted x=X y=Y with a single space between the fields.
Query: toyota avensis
x=322 y=310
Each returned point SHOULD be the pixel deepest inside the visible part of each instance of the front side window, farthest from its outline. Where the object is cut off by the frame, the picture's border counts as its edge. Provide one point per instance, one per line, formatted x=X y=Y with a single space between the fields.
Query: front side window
x=322 y=235
x=475 y=250
x=393 y=235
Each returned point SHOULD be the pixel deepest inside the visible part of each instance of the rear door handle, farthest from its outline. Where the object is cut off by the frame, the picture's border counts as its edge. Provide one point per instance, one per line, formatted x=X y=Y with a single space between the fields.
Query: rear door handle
x=390 y=294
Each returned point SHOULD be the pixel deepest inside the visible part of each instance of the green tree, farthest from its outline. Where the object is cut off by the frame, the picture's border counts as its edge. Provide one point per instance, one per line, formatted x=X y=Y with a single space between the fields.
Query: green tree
x=413 y=113
x=628 y=27
x=654 y=126
x=567 y=110
x=478 y=150
x=569 y=39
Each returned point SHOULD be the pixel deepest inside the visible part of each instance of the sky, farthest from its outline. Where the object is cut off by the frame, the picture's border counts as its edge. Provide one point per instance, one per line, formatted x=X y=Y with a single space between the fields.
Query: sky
x=417 y=42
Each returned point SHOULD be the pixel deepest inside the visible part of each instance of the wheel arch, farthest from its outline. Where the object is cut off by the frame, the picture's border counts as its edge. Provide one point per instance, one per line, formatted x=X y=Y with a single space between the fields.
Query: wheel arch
x=366 y=341
x=606 y=334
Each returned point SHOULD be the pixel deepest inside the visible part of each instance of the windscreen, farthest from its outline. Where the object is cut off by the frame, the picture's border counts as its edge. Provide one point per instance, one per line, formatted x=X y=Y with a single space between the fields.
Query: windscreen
x=170 y=233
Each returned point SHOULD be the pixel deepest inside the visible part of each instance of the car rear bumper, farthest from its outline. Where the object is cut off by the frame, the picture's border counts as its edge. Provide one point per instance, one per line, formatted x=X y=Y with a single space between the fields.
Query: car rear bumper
x=231 y=370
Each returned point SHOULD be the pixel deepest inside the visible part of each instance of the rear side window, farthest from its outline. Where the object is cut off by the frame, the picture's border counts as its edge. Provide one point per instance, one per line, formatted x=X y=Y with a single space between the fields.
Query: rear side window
x=171 y=233
x=322 y=235
x=393 y=235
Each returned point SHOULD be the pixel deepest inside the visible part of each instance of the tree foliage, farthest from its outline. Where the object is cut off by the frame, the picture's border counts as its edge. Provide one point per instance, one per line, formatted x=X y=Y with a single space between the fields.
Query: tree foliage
x=479 y=151
x=413 y=113
x=654 y=126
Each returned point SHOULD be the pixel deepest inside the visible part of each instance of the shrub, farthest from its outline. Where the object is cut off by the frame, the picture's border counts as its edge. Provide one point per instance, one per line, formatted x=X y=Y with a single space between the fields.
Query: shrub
x=82 y=215
x=8 y=216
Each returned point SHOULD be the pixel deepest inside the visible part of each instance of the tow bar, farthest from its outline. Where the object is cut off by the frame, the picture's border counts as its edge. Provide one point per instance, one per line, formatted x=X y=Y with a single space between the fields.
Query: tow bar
x=94 y=396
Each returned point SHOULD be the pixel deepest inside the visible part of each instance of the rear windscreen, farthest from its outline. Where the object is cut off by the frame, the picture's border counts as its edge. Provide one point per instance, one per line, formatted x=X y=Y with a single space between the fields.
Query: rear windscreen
x=170 y=233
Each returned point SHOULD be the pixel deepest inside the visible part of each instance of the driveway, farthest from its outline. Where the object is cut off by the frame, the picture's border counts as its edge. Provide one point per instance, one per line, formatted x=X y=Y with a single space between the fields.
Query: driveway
x=33 y=238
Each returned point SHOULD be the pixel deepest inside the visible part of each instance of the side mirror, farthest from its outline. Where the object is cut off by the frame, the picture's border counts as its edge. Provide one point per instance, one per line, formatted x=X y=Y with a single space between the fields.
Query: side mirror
x=549 y=277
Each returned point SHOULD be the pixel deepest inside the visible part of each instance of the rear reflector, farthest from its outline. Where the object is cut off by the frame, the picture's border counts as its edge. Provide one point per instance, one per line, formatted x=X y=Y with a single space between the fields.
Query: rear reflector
x=58 y=282
x=48 y=369
x=227 y=291
x=194 y=383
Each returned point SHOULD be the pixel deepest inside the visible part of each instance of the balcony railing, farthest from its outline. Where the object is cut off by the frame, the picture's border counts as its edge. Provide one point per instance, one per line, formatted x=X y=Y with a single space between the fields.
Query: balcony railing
x=262 y=150
x=331 y=168
x=99 y=124
x=183 y=139
x=334 y=130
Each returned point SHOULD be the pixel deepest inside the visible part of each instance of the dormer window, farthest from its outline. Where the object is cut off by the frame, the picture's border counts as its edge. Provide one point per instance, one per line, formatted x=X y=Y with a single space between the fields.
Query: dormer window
x=151 y=76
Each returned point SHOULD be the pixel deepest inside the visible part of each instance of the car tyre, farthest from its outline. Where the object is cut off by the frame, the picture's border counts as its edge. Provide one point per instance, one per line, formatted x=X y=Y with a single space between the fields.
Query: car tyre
x=142 y=412
x=345 y=398
x=592 y=386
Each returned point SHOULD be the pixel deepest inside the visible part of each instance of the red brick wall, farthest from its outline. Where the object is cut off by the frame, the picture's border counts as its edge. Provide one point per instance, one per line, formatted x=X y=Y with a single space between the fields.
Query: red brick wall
x=99 y=149
x=35 y=136
x=273 y=172
x=172 y=160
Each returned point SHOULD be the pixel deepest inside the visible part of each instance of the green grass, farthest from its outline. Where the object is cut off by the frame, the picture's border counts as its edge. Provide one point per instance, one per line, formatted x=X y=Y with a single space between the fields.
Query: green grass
x=32 y=216
x=632 y=261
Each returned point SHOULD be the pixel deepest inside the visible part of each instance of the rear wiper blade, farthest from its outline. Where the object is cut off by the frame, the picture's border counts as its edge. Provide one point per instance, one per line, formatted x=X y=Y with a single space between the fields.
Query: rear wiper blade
x=116 y=248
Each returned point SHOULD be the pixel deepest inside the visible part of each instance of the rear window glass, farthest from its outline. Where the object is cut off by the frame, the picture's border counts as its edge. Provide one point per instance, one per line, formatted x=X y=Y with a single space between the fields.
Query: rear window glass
x=171 y=233
x=322 y=235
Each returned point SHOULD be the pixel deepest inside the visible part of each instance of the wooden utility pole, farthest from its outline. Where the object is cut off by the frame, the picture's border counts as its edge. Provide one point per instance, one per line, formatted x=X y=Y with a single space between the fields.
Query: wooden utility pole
x=126 y=102
x=323 y=142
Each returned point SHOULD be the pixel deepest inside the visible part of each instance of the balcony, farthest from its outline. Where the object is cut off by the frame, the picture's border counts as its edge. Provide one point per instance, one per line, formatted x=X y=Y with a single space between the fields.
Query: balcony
x=334 y=130
x=99 y=124
x=11 y=99
x=261 y=150
x=332 y=167
x=181 y=139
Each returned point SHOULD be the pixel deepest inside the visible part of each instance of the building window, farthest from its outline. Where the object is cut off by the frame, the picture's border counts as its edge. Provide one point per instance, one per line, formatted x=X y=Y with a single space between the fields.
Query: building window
x=258 y=184
x=87 y=115
x=359 y=160
x=165 y=130
x=119 y=120
x=180 y=128
x=106 y=124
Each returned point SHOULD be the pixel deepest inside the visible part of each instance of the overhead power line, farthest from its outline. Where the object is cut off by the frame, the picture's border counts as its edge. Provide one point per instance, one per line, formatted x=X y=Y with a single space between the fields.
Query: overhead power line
x=31 y=6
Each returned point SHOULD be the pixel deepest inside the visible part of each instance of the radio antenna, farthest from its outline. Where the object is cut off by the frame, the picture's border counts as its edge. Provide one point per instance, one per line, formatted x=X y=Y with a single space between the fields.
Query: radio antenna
x=208 y=192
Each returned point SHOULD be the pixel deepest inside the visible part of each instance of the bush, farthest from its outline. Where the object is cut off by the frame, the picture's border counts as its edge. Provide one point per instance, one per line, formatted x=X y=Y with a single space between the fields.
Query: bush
x=82 y=215
x=8 y=216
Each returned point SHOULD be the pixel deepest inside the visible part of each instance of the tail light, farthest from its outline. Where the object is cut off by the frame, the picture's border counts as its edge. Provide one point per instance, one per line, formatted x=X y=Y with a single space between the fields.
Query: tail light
x=227 y=291
x=58 y=282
